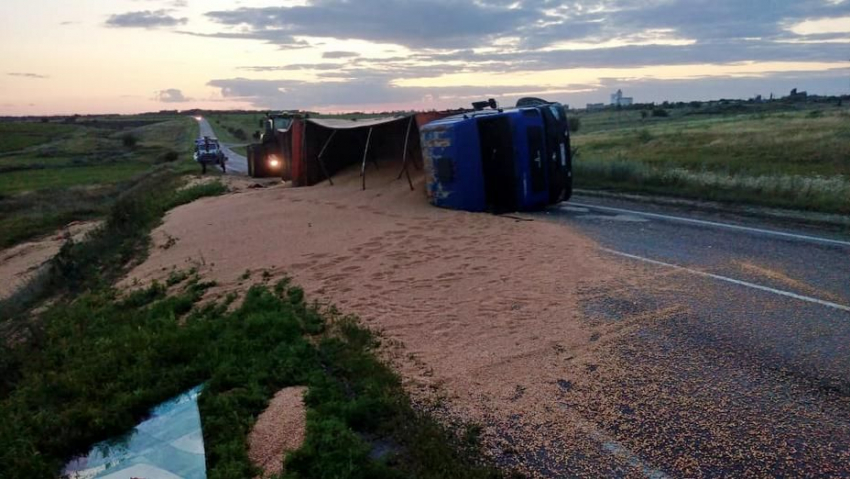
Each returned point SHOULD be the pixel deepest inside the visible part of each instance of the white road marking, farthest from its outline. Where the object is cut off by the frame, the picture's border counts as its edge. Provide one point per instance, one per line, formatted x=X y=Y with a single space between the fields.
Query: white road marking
x=747 y=284
x=716 y=224
x=621 y=452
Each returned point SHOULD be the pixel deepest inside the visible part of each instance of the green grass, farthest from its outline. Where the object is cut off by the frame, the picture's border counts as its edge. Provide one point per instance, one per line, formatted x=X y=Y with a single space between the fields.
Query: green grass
x=100 y=362
x=79 y=176
x=15 y=136
x=224 y=124
x=795 y=159
x=54 y=178
x=124 y=236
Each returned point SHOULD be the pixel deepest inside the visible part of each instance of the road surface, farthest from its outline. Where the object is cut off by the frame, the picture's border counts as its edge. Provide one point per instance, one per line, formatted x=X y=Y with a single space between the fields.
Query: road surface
x=735 y=341
x=236 y=164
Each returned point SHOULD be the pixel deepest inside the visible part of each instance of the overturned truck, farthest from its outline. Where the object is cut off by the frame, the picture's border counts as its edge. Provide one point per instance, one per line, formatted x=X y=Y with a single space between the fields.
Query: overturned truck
x=307 y=150
x=499 y=160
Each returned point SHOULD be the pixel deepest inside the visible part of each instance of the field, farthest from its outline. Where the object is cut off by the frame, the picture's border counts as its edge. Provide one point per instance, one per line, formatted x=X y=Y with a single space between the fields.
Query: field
x=236 y=128
x=795 y=157
x=54 y=173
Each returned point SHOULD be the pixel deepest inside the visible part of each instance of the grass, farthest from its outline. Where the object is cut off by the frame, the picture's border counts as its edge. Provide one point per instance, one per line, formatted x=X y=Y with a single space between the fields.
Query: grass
x=101 y=361
x=795 y=159
x=226 y=124
x=16 y=136
x=55 y=178
x=124 y=236
x=78 y=176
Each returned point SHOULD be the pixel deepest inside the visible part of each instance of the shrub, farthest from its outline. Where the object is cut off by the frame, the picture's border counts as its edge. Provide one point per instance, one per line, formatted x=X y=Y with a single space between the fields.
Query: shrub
x=168 y=157
x=660 y=113
x=129 y=140
x=645 y=136
x=574 y=123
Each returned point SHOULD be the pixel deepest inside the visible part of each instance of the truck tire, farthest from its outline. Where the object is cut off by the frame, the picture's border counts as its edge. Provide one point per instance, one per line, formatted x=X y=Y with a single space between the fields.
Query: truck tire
x=203 y=168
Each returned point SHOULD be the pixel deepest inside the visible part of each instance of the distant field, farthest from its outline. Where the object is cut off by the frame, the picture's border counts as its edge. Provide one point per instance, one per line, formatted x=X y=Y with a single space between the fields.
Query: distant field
x=65 y=172
x=798 y=158
x=16 y=136
x=49 y=178
x=228 y=125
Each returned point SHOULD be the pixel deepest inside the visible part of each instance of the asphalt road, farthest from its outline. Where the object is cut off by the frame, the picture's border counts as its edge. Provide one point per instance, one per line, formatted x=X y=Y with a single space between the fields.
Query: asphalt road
x=236 y=163
x=735 y=336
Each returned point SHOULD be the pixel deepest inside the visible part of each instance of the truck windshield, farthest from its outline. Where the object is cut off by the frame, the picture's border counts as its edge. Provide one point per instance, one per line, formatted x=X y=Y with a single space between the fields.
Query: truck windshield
x=282 y=123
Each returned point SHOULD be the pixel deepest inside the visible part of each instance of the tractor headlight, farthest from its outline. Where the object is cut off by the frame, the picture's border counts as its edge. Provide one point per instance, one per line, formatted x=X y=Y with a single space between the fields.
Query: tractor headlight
x=274 y=162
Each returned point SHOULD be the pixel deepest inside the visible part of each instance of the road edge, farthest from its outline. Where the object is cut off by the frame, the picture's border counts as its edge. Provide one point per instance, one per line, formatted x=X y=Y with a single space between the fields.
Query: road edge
x=807 y=218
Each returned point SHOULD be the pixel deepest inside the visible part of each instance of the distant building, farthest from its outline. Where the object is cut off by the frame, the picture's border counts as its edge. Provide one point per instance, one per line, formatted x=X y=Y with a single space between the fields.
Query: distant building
x=617 y=99
x=798 y=95
x=595 y=106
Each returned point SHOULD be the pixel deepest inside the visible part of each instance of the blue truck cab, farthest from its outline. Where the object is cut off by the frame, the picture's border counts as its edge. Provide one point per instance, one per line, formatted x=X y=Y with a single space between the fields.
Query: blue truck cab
x=499 y=160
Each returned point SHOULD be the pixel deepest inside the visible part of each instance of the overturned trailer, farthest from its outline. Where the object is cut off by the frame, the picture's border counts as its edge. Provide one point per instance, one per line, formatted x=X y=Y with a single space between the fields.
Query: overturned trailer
x=307 y=150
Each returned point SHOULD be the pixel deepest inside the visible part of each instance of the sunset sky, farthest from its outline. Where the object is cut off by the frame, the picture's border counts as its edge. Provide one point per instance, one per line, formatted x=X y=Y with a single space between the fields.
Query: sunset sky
x=125 y=56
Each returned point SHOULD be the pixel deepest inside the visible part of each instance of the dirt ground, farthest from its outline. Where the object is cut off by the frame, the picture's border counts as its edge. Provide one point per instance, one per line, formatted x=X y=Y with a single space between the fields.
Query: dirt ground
x=480 y=313
x=19 y=263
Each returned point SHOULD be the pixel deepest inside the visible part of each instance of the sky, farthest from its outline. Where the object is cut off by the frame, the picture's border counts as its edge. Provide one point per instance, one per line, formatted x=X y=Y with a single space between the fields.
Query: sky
x=128 y=56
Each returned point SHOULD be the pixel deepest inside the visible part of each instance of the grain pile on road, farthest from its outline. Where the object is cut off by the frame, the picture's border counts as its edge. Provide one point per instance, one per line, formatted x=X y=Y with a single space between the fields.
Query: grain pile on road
x=481 y=309
x=279 y=429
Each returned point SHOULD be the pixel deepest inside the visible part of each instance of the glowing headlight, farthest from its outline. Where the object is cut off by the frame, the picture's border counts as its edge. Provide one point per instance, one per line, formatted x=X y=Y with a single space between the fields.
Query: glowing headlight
x=274 y=162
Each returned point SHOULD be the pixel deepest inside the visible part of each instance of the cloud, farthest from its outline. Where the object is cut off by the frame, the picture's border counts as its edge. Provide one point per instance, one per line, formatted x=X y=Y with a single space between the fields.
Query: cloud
x=171 y=95
x=29 y=75
x=279 y=38
x=484 y=38
x=335 y=55
x=145 y=19
x=415 y=23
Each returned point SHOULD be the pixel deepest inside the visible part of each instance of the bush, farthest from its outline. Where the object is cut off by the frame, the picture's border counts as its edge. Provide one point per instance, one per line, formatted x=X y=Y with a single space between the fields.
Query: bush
x=129 y=140
x=574 y=123
x=240 y=134
x=660 y=113
x=645 y=136
x=168 y=157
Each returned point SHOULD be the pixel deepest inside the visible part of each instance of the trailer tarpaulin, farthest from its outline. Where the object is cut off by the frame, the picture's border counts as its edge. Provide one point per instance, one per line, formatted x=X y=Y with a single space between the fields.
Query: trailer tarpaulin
x=313 y=150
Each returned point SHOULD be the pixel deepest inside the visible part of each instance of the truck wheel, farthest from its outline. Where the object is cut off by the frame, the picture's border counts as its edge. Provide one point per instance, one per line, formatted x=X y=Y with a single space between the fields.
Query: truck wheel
x=203 y=168
x=223 y=168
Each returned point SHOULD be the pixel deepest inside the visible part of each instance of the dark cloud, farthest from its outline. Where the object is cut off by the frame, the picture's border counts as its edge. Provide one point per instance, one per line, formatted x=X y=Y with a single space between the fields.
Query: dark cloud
x=377 y=90
x=416 y=23
x=334 y=55
x=171 y=95
x=282 y=39
x=145 y=19
x=443 y=24
x=505 y=36
x=34 y=76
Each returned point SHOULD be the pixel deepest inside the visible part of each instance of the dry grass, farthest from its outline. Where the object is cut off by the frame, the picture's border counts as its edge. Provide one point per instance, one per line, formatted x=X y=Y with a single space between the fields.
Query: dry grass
x=791 y=159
